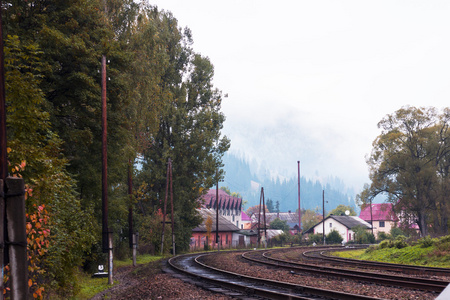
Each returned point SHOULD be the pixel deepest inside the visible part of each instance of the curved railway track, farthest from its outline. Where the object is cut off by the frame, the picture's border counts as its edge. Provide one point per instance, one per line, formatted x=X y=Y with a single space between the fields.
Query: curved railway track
x=245 y=287
x=248 y=287
x=403 y=269
x=352 y=274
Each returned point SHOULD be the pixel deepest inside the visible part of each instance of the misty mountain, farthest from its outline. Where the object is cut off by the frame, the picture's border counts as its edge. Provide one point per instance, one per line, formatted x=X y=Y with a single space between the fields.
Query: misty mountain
x=247 y=178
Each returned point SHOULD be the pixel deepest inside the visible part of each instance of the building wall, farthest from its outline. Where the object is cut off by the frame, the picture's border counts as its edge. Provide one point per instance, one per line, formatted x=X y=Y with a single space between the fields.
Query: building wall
x=232 y=215
x=198 y=239
x=330 y=224
x=388 y=225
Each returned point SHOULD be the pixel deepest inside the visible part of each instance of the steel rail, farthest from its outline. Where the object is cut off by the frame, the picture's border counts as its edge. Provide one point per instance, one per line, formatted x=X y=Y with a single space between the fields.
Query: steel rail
x=263 y=287
x=385 y=279
x=405 y=269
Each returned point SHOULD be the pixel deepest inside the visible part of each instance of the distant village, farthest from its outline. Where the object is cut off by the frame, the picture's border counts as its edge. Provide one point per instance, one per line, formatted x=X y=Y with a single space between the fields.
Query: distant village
x=237 y=229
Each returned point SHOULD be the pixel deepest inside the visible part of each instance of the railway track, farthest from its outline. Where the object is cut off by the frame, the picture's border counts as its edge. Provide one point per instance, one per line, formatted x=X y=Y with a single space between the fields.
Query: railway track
x=425 y=284
x=322 y=254
x=248 y=287
x=242 y=286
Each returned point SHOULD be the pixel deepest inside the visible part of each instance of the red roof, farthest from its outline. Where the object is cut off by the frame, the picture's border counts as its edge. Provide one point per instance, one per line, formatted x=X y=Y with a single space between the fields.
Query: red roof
x=225 y=201
x=380 y=212
x=245 y=217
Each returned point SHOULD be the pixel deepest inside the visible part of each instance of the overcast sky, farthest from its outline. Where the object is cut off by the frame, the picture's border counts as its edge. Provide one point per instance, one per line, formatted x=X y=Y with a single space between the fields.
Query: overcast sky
x=310 y=80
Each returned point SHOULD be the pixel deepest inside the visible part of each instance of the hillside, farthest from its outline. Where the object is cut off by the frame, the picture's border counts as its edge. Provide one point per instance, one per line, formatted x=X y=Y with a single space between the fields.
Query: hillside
x=248 y=178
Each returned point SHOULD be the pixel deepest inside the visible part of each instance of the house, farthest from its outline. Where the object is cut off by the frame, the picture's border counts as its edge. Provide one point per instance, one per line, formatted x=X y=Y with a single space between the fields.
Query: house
x=229 y=207
x=202 y=235
x=382 y=217
x=290 y=218
x=246 y=221
x=342 y=224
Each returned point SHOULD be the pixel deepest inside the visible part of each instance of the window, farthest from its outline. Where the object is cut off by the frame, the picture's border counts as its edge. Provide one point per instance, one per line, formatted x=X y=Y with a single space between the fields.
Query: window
x=381 y=223
x=331 y=225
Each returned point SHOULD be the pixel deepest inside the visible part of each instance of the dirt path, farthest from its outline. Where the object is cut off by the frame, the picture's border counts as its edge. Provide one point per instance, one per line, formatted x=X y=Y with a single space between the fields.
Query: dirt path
x=149 y=282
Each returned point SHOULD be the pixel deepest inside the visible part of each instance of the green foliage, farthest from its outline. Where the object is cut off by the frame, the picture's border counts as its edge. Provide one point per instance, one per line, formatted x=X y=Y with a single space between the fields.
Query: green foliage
x=334 y=237
x=399 y=251
x=270 y=206
x=409 y=162
x=400 y=242
x=395 y=232
x=281 y=239
x=310 y=218
x=362 y=236
x=382 y=236
x=161 y=104
x=315 y=238
x=278 y=224
x=341 y=209
x=426 y=242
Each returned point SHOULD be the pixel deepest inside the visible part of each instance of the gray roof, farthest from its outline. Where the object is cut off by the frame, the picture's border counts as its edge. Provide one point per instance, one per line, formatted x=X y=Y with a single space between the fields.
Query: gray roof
x=290 y=218
x=224 y=224
x=348 y=221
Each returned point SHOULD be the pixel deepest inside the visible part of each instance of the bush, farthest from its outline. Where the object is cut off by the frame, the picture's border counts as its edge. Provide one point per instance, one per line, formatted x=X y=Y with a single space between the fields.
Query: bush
x=385 y=244
x=315 y=238
x=426 y=242
x=400 y=242
x=383 y=236
x=395 y=232
x=334 y=237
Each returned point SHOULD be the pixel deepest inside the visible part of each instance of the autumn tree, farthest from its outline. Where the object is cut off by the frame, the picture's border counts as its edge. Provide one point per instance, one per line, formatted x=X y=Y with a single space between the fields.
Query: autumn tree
x=254 y=210
x=410 y=163
x=341 y=210
x=188 y=131
x=38 y=150
x=310 y=218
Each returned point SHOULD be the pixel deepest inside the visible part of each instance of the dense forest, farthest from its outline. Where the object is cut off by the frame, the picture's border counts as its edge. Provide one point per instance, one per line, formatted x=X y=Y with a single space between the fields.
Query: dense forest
x=247 y=180
x=161 y=104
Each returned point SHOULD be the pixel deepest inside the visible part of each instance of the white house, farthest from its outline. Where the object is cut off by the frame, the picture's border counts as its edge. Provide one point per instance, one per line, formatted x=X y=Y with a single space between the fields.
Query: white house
x=341 y=224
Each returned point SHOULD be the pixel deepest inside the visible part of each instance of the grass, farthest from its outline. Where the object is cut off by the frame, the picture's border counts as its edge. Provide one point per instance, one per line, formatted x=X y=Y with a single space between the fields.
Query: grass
x=92 y=286
x=432 y=256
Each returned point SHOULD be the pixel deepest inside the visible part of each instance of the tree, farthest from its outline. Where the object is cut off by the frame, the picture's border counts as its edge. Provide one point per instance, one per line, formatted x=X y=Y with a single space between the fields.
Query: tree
x=188 y=132
x=341 y=209
x=33 y=144
x=225 y=189
x=269 y=204
x=279 y=224
x=334 y=237
x=310 y=218
x=254 y=210
x=410 y=163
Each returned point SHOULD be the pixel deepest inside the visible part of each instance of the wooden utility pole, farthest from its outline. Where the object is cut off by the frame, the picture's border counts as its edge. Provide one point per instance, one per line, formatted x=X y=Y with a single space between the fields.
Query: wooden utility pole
x=299 y=206
x=217 y=210
x=3 y=156
x=262 y=201
x=323 y=221
x=168 y=183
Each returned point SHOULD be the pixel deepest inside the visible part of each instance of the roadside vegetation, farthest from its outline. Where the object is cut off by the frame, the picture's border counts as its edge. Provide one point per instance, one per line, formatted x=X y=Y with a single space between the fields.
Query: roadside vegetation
x=90 y=286
x=430 y=252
